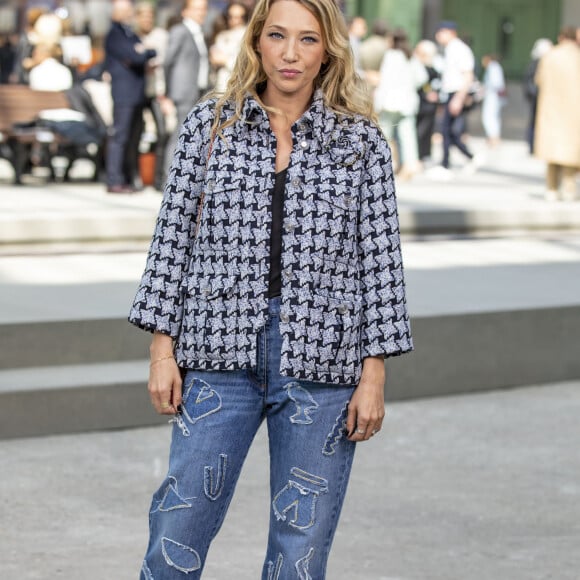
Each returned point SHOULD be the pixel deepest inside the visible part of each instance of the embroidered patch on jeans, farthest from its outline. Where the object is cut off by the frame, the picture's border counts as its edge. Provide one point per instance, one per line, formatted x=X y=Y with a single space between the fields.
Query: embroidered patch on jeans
x=171 y=499
x=302 y=566
x=179 y=556
x=207 y=401
x=305 y=404
x=295 y=503
x=336 y=433
x=275 y=569
x=147 y=574
x=214 y=485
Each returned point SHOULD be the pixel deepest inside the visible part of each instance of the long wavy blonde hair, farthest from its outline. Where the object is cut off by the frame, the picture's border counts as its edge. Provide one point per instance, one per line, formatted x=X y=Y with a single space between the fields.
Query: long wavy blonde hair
x=344 y=91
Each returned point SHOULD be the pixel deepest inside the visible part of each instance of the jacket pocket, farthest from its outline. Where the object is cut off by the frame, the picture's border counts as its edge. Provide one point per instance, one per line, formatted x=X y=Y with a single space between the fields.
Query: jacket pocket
x=210 y=288
x=340 y=197
x=334 y=322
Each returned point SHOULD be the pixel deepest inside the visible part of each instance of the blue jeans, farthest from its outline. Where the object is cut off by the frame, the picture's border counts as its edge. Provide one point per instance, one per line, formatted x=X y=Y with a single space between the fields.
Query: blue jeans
x=310 y=462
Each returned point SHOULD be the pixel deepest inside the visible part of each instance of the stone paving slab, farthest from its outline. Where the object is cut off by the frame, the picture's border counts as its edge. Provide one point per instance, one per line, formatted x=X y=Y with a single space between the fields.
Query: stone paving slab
x=505 y=194
x=447 y=276
x=477 y=487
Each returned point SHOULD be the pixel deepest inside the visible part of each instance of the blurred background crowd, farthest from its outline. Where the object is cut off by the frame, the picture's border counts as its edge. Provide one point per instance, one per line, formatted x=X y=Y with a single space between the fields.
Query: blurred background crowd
x=139 y=67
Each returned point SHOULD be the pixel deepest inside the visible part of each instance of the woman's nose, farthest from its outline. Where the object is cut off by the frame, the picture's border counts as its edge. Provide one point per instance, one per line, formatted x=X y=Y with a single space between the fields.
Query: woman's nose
x=290 y=51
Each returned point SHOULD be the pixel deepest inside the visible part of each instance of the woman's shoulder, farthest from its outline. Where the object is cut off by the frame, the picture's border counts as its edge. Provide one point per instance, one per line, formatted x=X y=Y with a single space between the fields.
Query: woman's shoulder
x=202 y=115
x=361 y=126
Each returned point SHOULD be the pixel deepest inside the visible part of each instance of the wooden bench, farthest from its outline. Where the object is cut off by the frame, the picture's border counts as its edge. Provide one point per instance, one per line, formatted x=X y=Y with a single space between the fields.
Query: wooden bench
x=19 y=135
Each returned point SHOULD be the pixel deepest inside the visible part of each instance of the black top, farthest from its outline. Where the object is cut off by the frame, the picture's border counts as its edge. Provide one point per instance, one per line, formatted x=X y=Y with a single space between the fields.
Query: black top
x=275 y=287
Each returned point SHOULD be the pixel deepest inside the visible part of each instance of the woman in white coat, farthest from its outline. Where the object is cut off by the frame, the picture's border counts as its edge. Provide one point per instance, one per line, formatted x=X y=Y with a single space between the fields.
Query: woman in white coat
x=397 y=101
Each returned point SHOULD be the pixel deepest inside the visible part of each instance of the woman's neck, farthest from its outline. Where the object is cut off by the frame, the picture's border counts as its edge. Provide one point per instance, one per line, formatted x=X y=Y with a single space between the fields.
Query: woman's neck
x=290 y=109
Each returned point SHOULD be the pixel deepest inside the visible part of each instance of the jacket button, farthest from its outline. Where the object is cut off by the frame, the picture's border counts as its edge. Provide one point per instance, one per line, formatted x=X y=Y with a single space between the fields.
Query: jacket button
x=288 y=273
x=304 y=144
x=343 y=309
x=289 y=228
x=296 y=182
x=206 y=291
x=210 y=185
x=284 y=318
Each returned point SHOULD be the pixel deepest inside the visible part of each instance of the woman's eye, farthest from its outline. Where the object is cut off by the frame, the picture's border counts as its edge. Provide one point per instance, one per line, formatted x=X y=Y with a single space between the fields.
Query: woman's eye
x=275 y=35
x=310 y=39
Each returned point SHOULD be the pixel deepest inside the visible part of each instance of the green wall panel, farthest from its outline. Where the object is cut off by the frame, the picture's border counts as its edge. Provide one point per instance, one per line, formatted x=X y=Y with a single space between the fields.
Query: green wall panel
x=406 y=14
x=508 y=28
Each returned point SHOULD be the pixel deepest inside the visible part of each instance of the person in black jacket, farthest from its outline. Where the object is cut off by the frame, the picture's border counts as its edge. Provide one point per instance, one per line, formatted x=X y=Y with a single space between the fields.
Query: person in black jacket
x=126 y=59
x=425 y=52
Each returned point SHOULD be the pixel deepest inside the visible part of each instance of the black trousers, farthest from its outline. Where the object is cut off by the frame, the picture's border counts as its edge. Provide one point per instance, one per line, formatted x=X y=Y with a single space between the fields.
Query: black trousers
x=452 y=129
x=425 y=128
x=122 y=160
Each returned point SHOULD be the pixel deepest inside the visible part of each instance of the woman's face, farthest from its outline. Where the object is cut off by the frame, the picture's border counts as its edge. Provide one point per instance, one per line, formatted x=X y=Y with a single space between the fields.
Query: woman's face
x=236 y=16
x=292 y=51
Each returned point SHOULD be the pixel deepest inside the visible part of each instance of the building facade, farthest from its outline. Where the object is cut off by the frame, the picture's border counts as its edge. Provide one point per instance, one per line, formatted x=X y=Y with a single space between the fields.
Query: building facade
x=507 y=28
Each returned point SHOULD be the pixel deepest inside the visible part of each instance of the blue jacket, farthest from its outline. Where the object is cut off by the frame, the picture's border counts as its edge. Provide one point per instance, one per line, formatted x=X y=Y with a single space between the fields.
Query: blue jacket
x=343 y=296
x=126 y=65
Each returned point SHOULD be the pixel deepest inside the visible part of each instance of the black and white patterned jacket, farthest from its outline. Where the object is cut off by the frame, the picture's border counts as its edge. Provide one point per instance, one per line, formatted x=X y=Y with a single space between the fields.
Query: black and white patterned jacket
x=343 y=296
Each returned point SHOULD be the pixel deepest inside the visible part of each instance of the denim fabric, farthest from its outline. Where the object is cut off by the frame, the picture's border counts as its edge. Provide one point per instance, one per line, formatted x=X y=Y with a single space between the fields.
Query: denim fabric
x=310 y=462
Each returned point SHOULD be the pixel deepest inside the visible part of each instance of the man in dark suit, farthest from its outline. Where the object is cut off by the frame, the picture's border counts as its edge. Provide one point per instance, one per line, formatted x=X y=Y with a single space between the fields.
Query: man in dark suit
x=186 y=65
x=126 y=59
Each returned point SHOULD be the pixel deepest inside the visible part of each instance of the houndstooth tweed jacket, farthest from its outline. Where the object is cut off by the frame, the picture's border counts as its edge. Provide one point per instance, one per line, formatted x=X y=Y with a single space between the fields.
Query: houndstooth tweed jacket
x=343 y=295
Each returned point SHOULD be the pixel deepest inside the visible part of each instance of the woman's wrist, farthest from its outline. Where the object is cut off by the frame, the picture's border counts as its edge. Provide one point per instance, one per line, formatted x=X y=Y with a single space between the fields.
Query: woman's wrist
x=161 y=346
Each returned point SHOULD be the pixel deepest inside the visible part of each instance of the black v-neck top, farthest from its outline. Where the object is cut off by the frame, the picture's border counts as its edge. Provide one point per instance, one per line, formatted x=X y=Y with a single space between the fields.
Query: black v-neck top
x=275 y=286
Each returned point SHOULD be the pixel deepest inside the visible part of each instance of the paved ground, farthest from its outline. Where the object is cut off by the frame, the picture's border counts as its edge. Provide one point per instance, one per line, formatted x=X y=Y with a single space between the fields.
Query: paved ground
x=443 y=277
x=478 y=487
x=505 y=194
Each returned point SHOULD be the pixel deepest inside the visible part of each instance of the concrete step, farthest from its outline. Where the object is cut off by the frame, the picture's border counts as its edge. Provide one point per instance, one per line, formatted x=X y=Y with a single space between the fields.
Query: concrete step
x=74 y=398
x=71 y=342
x=485 y=314
x=455 y=353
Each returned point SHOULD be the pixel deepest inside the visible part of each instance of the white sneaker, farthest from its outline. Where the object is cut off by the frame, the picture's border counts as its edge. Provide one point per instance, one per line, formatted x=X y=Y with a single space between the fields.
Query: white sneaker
x=439 y=173
x=569 y=196
x=474 y=164
x=551 y=195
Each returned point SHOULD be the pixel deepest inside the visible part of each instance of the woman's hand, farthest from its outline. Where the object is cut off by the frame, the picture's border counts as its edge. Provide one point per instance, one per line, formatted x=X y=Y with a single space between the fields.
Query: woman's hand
x=164 y=376
x=366 y=408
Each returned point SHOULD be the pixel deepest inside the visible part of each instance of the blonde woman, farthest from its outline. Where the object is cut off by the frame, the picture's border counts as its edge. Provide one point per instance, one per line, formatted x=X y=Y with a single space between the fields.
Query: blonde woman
x=274 y=289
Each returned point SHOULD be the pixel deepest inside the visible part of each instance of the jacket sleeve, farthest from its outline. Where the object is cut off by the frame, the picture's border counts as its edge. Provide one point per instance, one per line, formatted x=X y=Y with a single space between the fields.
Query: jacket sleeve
x=158 y=303
x=123 y=49
x=174 y=47
x=385 y=326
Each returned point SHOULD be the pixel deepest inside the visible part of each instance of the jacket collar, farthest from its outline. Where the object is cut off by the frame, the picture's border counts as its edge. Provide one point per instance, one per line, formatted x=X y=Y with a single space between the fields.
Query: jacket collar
x=318 y=116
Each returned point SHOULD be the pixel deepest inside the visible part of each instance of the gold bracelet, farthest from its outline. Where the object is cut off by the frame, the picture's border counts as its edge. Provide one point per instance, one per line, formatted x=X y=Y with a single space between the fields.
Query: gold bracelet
x=165 y=357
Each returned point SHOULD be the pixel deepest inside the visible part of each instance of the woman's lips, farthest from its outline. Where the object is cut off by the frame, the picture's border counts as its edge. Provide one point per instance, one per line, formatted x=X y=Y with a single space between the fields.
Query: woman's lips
x=289 y=73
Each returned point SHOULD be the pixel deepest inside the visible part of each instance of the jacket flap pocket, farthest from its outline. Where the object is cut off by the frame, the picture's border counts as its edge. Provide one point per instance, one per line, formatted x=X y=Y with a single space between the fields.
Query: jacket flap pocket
x=208 y=288
x=340 y=196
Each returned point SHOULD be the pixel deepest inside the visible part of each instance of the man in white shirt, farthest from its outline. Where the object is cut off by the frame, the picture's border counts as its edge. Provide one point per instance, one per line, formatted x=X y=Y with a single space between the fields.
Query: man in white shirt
x=456 y=82
x=186 y=65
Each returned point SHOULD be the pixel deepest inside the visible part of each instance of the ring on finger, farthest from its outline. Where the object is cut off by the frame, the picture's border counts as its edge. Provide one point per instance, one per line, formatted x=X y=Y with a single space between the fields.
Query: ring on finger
x=165 y=405
x=360 y=431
